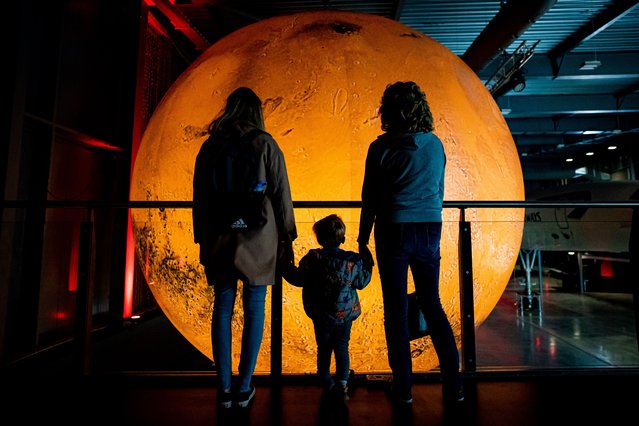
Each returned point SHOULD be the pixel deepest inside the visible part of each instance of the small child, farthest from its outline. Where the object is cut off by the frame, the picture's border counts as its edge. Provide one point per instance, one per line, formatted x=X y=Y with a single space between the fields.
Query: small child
x=330 y=277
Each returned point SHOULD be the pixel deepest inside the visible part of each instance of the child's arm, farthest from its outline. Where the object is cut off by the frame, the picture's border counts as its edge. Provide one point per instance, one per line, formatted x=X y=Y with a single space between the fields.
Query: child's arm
x=294 y=274
x=364 y=273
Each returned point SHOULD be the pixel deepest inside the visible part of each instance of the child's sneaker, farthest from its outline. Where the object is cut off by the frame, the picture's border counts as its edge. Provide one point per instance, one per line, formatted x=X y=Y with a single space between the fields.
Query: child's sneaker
x=340 y=391
x=224 y=399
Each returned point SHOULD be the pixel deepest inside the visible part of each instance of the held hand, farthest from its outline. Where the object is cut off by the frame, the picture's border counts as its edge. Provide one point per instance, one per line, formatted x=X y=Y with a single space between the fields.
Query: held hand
x=285 y=252
x=366 y=254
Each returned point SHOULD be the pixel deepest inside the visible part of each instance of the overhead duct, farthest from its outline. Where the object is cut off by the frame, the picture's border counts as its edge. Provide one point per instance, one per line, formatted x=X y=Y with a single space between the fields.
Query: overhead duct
x=512 y=20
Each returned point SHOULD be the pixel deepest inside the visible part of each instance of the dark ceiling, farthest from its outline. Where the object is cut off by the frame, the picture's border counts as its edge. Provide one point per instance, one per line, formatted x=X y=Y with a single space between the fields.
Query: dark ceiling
x=562 y=111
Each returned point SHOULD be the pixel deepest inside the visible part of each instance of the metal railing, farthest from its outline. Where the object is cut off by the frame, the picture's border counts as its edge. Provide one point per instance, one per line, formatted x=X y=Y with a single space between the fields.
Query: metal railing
x=83 y=319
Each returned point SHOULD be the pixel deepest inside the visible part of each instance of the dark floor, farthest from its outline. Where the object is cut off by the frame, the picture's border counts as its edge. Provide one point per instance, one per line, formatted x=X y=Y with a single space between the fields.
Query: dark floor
x=574 y=360
x=601 y=399
x=568 y=330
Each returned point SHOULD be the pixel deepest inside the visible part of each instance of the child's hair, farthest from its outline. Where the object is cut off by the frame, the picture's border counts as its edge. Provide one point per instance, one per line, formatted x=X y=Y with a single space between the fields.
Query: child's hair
x=330 y=231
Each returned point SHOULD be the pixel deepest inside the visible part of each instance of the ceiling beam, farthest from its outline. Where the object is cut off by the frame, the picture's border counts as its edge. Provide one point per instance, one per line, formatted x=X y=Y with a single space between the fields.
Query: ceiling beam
x=617 y=10
x=633 y=88
x=182 y=24
x=612 y=63
x=512 y=20
x=396 y=10
x=561 y=104
x=569 y=140
x=567 y=125
x=535 y=172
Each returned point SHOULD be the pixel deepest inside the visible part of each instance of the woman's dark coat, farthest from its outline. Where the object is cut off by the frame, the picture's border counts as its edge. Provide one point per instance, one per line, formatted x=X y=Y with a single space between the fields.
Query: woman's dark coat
x=251 y=254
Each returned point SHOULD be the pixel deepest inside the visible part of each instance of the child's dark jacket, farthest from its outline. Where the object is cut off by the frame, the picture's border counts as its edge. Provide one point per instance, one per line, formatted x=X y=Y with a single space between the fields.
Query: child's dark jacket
x=330 y=278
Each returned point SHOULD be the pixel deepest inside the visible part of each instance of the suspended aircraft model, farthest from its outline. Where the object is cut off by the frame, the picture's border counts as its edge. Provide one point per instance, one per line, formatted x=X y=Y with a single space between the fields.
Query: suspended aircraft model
x=586 y=224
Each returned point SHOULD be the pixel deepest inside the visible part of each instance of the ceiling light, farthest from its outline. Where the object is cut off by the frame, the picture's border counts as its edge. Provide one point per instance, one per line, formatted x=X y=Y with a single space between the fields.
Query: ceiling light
x=590 y=153
x=568 y=160
x=589 y=65
x=611 y=147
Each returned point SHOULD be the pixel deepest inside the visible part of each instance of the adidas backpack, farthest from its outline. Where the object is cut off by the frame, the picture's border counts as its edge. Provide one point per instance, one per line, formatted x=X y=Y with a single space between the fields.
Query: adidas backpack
x=239 y=192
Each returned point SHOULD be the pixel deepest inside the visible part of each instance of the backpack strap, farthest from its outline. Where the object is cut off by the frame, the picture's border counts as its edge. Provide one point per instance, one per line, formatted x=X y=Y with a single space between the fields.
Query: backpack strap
x=224 y=142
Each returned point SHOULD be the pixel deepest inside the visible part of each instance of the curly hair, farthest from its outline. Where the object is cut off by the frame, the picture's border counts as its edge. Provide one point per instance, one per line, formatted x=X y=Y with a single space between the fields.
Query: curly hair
x=404 y=109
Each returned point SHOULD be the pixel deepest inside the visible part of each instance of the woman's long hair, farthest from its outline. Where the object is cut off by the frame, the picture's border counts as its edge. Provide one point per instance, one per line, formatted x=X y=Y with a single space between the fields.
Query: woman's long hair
x=404 y=109
x=243 y=111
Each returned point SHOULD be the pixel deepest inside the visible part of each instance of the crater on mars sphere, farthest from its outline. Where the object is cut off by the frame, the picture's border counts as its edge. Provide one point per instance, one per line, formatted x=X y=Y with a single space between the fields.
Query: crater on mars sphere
x=321 y=76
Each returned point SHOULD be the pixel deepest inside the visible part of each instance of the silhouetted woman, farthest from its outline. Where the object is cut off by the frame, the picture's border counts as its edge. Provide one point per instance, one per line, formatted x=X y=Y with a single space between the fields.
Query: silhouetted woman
x=402 y=196
x=246 y=249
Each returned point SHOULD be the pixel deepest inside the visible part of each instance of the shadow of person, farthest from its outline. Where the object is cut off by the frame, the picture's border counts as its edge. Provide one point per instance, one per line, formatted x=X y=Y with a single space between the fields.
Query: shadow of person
x=333 y=411
x=237 y=416
x=462 y=413
x=226 y=417
x=402 y=414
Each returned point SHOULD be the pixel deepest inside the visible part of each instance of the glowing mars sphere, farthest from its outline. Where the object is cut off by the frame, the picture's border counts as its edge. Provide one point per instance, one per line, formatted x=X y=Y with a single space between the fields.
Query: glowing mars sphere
x=321 y=76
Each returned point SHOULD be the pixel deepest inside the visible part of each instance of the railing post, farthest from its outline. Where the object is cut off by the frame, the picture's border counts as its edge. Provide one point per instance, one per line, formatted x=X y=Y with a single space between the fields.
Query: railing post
x=276 y=330
x=469 y=361
x=84 y=299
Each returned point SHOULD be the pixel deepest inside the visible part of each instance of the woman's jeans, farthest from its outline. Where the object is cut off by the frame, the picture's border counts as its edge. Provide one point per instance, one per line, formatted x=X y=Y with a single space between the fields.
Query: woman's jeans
x=253 y=298
x=332 y=338
x=400 y=246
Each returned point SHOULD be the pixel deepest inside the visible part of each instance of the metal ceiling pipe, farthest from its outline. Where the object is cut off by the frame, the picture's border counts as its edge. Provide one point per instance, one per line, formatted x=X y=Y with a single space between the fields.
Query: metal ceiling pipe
x=509 y=23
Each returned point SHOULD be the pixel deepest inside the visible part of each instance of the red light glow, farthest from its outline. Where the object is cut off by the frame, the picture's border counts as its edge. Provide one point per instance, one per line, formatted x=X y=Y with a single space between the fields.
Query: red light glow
x=606 y=269
x=128 y=273
x=60 y=315
x=74 y=257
